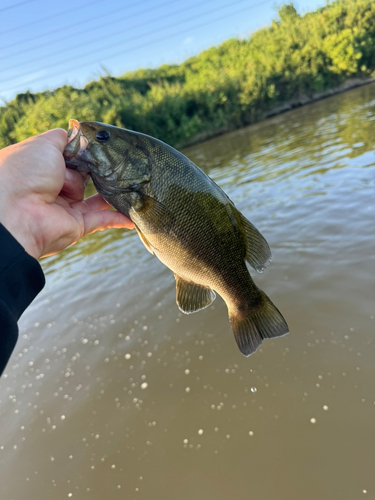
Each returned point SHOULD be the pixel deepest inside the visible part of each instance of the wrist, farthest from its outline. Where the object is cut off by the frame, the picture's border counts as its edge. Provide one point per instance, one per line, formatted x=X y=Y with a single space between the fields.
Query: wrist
x=23 y=240
x=17 y=223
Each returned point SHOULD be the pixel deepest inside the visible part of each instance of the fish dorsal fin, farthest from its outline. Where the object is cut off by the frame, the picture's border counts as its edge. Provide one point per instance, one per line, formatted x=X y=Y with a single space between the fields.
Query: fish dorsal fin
x=191 y=297
x=258 y=252
x=144 y=240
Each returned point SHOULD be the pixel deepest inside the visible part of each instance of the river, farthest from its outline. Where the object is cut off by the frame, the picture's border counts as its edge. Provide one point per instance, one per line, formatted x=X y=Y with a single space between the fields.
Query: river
x=113 y=393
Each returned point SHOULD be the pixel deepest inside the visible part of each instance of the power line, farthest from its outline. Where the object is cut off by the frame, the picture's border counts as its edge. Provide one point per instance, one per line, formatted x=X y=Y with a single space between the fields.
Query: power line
x=68 y=26
x=16 y=5
x=164 y=16
x=114 y=45
x=59 y=14
x=148 y=43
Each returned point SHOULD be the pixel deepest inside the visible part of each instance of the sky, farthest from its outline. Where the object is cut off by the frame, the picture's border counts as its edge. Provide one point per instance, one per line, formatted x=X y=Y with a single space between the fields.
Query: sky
x=46 y=44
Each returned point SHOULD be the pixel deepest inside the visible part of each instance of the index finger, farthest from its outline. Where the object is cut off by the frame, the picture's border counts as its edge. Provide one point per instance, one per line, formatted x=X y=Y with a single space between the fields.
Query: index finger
x=74 y=185
x=96 y=202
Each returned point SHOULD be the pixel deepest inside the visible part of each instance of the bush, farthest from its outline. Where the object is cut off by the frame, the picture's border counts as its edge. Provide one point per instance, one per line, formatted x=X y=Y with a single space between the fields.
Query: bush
x=222 y=88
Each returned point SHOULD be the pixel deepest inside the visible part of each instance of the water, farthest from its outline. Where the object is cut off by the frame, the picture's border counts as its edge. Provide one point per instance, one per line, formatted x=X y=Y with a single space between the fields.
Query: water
x=113 y=393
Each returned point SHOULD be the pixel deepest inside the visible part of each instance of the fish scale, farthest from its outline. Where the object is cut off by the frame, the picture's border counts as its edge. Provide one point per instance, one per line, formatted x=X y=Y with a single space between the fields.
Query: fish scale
x=185 y=219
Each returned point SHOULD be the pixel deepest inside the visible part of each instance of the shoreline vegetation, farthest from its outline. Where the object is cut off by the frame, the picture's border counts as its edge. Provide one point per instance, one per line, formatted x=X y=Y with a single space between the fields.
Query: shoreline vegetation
x=295 y=61
x=297 y=102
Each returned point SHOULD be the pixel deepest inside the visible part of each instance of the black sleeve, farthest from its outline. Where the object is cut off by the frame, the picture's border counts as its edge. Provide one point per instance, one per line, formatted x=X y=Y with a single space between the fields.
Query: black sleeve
x=21 y=279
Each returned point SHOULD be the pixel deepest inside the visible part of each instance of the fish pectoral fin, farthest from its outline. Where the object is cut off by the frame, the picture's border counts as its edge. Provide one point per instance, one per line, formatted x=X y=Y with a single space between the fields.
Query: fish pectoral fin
x=258 y=252
x=191 y=297
x=156 y=217
x=152 y=205
x=144 y=240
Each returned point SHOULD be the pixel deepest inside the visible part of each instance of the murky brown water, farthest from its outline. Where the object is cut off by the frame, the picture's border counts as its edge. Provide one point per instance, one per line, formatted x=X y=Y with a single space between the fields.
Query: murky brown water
x=112 y=393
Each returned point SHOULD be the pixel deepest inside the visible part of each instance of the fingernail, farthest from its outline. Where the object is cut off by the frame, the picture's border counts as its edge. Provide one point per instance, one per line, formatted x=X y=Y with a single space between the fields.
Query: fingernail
x=69 y=175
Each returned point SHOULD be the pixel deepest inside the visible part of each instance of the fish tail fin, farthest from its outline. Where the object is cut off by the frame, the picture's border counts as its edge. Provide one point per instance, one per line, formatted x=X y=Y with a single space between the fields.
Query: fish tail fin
x=257 y=321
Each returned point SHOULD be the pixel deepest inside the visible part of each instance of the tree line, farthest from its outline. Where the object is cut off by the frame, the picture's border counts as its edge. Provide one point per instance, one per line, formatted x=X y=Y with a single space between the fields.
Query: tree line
x=226 y=87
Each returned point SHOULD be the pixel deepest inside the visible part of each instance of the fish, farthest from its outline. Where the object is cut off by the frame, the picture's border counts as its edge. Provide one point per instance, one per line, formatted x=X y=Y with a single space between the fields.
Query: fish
x=184 y=219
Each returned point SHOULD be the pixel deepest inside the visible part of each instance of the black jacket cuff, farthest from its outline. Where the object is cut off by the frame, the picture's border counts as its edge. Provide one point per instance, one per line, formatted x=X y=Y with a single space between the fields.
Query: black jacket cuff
x=21 y=279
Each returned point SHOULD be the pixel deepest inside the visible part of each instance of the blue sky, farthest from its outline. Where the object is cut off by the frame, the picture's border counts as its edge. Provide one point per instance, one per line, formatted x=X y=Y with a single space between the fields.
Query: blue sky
x=46 y=44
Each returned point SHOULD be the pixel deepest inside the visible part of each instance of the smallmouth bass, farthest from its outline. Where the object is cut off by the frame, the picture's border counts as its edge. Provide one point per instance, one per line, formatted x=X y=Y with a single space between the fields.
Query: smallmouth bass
x=183 y=218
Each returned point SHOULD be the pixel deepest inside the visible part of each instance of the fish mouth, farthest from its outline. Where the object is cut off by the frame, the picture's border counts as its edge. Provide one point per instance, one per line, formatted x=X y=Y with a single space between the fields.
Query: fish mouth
x=76 y=148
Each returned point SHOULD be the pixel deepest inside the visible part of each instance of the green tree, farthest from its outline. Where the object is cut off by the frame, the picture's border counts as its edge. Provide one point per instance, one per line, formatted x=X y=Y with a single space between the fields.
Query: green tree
x=223 y=88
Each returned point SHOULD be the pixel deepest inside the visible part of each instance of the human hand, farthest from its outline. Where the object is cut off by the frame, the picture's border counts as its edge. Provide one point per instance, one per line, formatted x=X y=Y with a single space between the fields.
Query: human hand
x=41 y=201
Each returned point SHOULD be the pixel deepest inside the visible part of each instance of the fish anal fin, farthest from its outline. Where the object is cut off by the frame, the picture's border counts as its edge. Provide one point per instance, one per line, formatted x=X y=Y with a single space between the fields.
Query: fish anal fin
x=191 y=297
x=256 y=322
x=258 y=252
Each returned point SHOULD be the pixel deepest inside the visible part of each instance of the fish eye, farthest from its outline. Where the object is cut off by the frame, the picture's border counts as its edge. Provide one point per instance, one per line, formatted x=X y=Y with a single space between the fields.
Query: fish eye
x=102 y=136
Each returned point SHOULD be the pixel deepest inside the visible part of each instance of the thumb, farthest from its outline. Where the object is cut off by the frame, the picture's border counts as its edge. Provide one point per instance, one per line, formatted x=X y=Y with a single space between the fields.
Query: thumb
x=58 y=137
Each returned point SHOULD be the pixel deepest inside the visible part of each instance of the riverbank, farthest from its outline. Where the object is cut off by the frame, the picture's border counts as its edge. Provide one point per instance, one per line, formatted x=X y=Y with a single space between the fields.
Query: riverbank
x=302 y=100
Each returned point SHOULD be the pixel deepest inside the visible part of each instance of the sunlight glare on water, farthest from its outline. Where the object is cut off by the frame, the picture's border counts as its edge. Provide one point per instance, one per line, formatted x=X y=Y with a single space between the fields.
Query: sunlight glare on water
x=113 y=393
